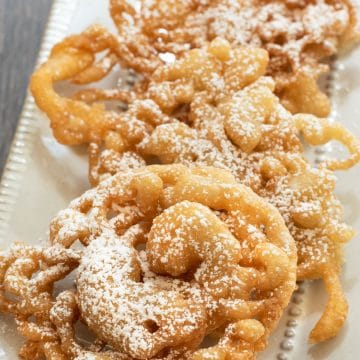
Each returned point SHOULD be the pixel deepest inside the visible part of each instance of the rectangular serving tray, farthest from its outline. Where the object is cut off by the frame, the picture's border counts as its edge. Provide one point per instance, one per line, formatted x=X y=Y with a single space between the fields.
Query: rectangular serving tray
x=42 y=176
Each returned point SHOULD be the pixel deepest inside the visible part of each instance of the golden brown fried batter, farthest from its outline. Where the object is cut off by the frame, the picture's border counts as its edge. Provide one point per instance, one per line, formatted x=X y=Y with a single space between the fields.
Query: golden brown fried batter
x=298 y=35
x=191 y=277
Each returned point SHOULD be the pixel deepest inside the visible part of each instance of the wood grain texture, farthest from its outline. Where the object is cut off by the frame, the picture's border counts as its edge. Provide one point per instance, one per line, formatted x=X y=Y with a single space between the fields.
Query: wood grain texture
x=22 y=23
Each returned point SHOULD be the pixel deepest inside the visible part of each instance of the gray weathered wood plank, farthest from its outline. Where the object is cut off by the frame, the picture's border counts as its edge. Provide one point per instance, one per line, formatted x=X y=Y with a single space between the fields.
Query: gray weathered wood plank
x=22 y=24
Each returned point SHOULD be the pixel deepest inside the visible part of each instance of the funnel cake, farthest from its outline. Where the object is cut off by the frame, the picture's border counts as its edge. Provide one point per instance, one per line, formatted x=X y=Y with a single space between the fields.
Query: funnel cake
x=208 y=88
x=160 y=269
x=298 y=35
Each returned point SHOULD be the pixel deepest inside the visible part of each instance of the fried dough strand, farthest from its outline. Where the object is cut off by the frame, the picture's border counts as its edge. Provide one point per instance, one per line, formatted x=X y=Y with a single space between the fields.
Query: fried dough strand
x=27 y=277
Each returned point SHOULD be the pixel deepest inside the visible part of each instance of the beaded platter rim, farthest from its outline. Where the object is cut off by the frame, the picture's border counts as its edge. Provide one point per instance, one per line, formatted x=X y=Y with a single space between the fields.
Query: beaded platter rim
x=15 y=167
x=16 y=163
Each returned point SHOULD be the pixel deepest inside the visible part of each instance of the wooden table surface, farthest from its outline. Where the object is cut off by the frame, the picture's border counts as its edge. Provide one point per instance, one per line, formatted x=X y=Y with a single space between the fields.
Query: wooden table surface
x=22 y=23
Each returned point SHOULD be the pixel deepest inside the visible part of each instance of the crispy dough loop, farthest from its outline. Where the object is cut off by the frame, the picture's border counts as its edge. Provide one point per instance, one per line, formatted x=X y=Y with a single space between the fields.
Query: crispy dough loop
x=336 y=309
x=253 y=107
x=27 y=277
x=321 y=131
x=75 y=121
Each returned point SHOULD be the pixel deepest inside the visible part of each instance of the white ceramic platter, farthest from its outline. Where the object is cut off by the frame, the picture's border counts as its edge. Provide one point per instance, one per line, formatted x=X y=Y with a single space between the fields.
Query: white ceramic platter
x=41 y=177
